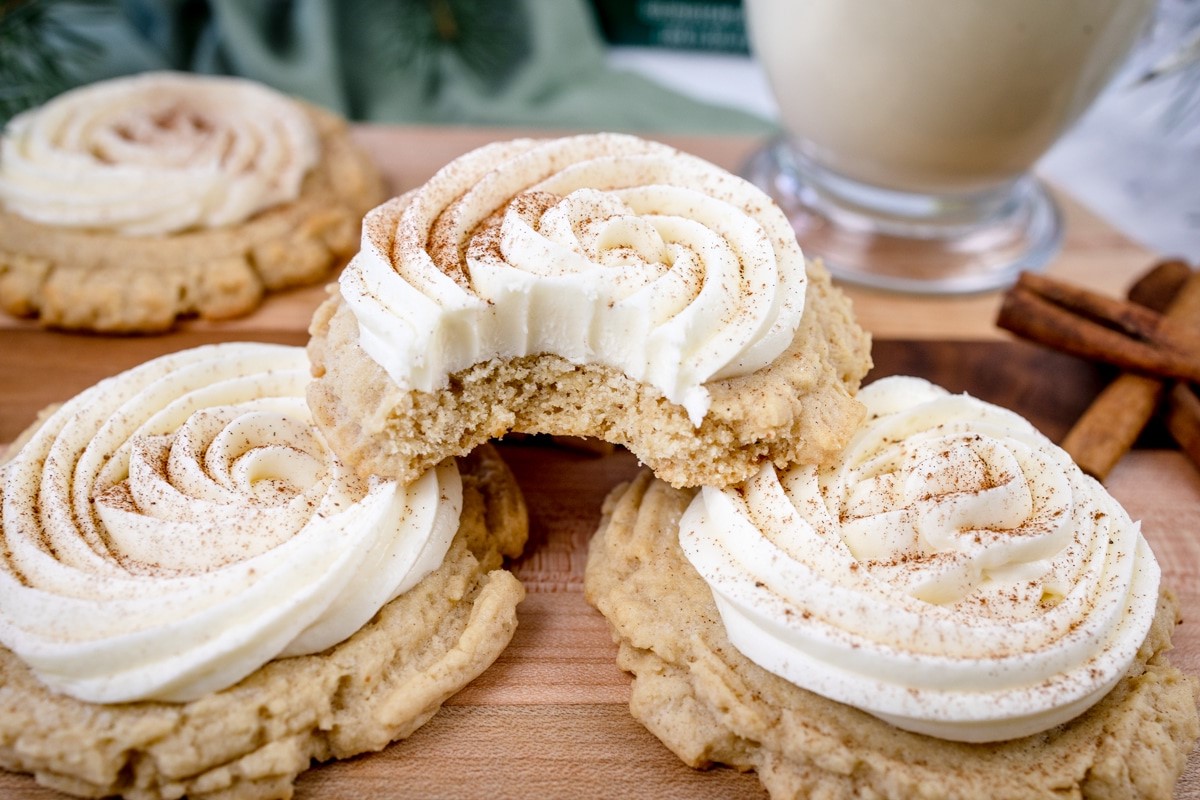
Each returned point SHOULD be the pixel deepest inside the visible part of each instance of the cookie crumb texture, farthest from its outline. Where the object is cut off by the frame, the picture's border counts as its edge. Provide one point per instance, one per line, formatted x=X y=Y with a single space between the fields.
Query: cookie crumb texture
x=93 y=280
x=710 y=705
x=253 y=739
x=799 y=408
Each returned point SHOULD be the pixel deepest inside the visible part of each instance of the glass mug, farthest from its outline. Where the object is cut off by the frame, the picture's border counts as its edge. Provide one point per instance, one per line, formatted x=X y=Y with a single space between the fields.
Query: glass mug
x=912 y=127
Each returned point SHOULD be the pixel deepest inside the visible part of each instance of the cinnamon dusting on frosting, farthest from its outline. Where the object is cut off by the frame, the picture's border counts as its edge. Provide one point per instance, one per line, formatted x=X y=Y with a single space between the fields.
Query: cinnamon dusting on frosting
x=189 y=507
x=965 y=579
x=155 y=154
x=577 y=247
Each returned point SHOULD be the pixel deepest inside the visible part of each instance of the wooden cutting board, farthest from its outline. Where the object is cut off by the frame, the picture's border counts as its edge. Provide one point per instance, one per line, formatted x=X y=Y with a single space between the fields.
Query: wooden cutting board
x=550 y=718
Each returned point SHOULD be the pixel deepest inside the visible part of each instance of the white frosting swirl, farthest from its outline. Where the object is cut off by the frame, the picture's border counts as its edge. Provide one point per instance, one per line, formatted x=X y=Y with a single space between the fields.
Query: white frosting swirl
x=172 y=529
x=156 y=153
x=601 y=249
x=954 y=573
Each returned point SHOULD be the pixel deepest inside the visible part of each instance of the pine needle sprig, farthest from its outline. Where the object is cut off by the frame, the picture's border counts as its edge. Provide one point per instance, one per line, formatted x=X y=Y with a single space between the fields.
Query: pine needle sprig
x=490 y=39
x=40 y=56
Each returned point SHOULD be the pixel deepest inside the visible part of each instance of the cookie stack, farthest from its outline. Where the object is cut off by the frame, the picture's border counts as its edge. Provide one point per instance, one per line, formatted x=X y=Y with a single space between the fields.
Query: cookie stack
x=230 y=561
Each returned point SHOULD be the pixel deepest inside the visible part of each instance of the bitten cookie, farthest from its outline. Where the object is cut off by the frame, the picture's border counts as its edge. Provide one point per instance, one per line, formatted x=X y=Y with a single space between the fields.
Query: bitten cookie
x=197 y=598
x=131 y=202
x=599 y=286
x=737 y=657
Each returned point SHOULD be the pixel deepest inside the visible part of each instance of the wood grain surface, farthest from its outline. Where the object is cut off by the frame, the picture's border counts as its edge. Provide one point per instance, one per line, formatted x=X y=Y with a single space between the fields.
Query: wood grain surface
x=550 y=718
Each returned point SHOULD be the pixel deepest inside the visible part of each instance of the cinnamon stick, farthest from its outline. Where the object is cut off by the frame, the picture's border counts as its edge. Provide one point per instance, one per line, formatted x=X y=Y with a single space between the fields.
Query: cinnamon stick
x=1111 y=424
x=1157 y=287
x=1090 y=325
x=1183 y=420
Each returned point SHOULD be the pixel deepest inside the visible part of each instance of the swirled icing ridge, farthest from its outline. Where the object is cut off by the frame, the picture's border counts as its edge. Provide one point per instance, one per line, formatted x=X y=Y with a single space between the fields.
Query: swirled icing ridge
x=156 y=153
x=953 y=573
x=600 y=248
x=172 y=529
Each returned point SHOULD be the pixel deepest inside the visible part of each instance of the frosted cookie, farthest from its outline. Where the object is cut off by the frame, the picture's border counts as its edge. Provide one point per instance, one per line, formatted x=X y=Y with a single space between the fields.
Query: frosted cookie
x=949 y=610
x=197 y=598
x=599 y=286
x=131 y=202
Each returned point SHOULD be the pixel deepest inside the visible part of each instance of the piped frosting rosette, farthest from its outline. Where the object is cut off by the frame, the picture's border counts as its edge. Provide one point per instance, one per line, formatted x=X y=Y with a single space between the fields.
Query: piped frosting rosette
x=953 y=573
x=579 y=247
x=172 y=529
x=155 y=154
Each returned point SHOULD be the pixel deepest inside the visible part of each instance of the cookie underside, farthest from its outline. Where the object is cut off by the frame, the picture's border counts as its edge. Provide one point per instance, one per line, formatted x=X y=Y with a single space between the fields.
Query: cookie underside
x=100 y=281
x=252 y=739
x=799 y=408
x=709 y=704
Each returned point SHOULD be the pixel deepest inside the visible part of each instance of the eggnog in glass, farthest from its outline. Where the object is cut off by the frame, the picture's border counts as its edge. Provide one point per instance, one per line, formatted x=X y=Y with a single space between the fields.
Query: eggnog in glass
x=912 y=127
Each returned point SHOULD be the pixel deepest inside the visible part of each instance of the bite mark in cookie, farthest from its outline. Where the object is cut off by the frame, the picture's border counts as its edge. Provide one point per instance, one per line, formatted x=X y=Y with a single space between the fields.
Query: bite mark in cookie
x=591 y=286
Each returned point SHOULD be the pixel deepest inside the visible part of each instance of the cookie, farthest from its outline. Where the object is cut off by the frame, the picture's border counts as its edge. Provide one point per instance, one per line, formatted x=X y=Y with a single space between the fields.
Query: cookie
x=599 y=286
x=949 y=609
x=198 y=599
x=711 y=705
x=129 y=203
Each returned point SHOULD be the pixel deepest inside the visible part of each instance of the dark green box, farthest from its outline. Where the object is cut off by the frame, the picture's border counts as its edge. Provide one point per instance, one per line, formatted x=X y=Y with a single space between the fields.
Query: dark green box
x=713 y=25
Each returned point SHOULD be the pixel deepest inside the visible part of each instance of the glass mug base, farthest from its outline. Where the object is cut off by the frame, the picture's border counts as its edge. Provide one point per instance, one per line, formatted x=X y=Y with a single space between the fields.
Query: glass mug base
x=930 y=244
